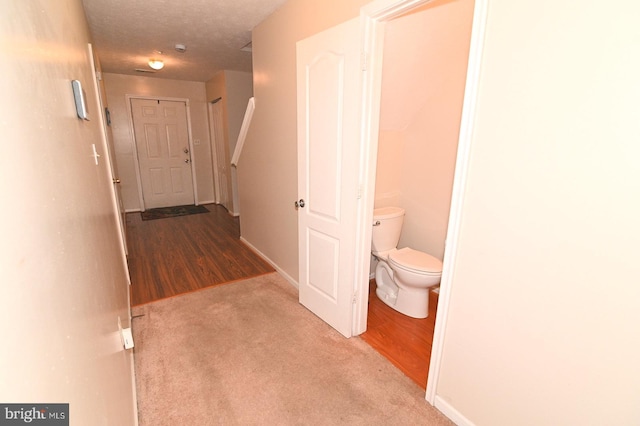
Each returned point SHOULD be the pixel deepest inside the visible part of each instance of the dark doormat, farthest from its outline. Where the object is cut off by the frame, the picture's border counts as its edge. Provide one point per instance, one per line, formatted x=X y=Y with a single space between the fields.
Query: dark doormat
x=164 y=212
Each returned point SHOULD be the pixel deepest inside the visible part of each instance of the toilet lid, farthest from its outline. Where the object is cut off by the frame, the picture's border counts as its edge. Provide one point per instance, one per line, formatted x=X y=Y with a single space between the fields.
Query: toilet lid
x=415 y=260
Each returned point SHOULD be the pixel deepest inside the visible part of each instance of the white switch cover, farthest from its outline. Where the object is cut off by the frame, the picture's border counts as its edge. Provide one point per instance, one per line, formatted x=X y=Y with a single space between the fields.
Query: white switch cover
x=127 y=338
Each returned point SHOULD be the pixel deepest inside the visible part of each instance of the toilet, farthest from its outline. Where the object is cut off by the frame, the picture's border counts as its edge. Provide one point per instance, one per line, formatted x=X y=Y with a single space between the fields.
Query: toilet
x=403 y=276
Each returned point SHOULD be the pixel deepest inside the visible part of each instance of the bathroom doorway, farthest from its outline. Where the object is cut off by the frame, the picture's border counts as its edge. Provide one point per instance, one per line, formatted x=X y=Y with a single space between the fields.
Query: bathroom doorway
x=426 y=52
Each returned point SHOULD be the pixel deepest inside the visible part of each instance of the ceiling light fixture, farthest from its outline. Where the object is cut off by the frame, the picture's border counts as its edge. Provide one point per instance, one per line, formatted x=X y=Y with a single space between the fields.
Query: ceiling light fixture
x=156 y=64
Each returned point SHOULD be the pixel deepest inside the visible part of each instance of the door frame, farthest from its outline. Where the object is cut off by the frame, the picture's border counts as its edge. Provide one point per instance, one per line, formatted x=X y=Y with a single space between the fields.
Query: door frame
x=215 y=140
x=373 y=21
x=136 y=161
x=110 y=156
x=107 y=142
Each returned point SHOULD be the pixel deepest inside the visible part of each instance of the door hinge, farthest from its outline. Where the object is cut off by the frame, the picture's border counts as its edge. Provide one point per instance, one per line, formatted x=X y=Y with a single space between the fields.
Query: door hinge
x=98 y=75
x=364 y=60
x=354 y=300
x=359 y=193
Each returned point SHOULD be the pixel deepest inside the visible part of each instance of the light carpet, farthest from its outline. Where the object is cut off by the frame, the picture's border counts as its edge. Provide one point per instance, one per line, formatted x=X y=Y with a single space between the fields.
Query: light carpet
x=247 y=353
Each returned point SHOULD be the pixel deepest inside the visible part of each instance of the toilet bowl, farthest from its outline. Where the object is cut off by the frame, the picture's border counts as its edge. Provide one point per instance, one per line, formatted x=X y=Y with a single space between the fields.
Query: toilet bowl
x=403 y=276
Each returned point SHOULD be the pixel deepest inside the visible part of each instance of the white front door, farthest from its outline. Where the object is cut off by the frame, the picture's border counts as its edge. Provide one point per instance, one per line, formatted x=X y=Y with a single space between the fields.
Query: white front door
x=162 y=143
x=329 y=86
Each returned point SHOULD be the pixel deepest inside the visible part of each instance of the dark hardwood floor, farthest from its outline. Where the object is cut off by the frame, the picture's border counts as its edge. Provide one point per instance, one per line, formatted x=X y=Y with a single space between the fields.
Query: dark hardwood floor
x=404 y=341
x=178 y=255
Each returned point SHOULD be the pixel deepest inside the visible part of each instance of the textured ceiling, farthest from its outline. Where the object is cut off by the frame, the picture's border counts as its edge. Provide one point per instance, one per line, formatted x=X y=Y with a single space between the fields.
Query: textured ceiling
x=126 y=33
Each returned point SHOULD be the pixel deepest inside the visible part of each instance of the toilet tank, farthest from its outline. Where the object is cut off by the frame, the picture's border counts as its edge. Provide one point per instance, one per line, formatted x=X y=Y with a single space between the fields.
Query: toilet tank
x=387 y=226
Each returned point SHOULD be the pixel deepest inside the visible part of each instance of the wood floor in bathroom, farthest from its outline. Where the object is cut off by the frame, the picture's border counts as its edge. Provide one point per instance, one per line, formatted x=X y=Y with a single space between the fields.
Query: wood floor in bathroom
x=404 y=341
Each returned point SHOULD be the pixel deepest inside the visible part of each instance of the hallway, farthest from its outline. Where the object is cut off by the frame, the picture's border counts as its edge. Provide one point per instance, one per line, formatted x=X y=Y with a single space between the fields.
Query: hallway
x=174 y=256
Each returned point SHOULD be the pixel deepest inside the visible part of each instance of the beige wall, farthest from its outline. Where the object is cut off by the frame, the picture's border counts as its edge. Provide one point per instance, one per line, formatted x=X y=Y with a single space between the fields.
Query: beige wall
x=239 y=90
x=118 y=86
x=235 y=88
x=545 y=303
x=64 y=279
x=423 y=82
x=267 y=173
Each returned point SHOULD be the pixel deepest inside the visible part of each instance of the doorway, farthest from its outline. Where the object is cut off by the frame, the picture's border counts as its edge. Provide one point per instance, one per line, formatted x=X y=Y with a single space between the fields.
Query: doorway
x=219 y=154
x=332 y=108
x=349 y=294
x=163 y=148
x=422 y=89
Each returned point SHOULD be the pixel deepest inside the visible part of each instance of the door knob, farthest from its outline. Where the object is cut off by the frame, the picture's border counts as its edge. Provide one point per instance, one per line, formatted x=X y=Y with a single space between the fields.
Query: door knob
x=186 y=151
x=116 y=181
x=186 y=160
x=299 y=203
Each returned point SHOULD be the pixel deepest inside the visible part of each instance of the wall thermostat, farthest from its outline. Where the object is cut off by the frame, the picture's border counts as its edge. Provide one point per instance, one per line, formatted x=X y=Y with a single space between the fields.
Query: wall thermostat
x=79 y=97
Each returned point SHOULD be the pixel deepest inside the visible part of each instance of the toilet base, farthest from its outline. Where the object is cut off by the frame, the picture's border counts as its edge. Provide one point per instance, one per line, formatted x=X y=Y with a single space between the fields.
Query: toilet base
x=410 y=302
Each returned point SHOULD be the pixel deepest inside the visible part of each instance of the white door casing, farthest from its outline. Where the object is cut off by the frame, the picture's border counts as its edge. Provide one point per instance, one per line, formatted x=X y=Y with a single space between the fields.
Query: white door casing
x=329 y=93
x=163 y=152
x=107 y=138
x=220 y=154
x=374 y=15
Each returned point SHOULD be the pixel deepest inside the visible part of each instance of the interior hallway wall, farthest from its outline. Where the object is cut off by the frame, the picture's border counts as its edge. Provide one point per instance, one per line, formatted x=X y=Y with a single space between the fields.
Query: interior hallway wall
x=424 y=71
x=545 y=301
x=120 y=85
x=62 y=268
x=268 y=170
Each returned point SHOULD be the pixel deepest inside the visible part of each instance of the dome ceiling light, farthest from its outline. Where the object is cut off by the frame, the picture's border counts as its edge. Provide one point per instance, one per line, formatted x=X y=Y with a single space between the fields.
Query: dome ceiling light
x=156 y=64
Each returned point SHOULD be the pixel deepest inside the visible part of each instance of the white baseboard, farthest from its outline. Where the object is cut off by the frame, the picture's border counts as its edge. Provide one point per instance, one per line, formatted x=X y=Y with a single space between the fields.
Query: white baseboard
x=132 y=210
x=453 y=414
x=206 y=202
x=270 y=262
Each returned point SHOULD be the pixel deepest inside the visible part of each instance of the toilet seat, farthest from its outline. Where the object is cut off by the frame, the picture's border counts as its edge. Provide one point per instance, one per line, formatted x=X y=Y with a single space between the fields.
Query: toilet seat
x=415 y=261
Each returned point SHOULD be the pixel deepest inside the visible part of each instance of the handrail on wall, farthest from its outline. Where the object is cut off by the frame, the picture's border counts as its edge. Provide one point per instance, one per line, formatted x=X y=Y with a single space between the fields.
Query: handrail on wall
x=246 y=121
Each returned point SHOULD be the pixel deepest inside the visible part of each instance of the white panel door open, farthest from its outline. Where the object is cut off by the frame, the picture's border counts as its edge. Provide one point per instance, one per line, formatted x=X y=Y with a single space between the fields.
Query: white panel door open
x=329 y=89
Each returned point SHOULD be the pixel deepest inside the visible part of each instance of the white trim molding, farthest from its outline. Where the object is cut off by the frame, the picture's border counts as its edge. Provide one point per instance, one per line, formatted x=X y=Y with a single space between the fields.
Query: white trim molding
x=281 y=271
x=454 y=415
x=457 y=196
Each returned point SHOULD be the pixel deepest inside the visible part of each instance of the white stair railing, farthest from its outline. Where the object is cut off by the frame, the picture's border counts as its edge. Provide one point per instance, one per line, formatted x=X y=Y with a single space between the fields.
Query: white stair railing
x=248 y=114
